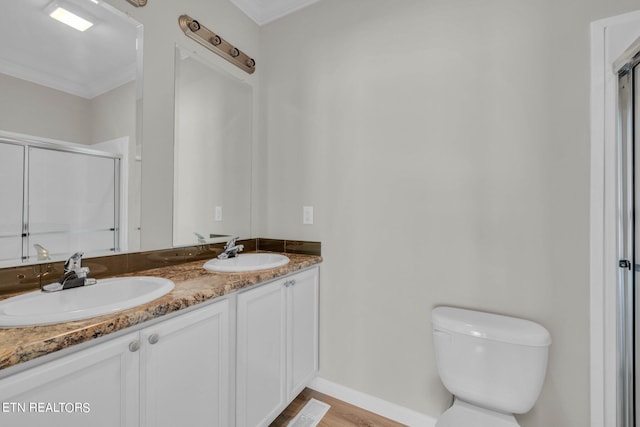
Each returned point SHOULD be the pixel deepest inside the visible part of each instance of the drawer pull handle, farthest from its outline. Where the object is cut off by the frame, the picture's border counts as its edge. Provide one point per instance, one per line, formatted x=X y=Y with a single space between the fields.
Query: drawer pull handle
x=154 y=338
x=134 y=346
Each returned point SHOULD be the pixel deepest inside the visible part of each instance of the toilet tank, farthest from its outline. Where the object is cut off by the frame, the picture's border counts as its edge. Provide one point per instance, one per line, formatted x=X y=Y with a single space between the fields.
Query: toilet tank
x=493 y=361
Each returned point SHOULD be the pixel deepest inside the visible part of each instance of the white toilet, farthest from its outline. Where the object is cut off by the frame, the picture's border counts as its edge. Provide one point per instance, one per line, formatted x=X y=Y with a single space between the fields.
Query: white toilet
x=493 y=365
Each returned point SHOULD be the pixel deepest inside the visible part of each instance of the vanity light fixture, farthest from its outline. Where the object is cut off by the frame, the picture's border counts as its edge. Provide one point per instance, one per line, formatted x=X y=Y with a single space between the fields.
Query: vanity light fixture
x=216 y=44
x=60 y=12
x=138 y=3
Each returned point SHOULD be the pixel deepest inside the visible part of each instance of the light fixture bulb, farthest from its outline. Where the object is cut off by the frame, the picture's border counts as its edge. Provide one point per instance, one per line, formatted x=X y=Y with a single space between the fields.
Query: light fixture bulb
x=71 y=19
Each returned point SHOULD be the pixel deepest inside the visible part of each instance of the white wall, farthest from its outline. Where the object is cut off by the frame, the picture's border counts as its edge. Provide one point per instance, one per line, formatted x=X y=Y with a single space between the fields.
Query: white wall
x=32 y=109
x=445 y=148
x=114 y=114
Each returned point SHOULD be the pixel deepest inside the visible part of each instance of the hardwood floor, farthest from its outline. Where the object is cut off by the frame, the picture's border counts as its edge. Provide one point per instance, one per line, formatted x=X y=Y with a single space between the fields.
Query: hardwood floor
x=341 y=414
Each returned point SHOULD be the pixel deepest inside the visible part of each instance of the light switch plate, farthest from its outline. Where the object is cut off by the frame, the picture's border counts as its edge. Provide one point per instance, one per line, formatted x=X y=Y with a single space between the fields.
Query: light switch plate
x=307 y=215
x=218 y=213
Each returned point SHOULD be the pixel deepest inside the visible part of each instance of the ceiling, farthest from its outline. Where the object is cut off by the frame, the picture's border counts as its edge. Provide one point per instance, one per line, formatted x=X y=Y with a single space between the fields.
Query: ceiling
x=37 y=48
x=265 y=11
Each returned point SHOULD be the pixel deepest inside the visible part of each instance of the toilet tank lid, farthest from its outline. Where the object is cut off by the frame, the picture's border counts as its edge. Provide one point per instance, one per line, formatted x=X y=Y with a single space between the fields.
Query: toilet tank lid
x=490 y=326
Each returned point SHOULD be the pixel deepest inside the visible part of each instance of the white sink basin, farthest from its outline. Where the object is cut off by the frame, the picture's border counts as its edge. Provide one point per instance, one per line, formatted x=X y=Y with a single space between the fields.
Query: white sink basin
x=247 y=262
x=106 y=296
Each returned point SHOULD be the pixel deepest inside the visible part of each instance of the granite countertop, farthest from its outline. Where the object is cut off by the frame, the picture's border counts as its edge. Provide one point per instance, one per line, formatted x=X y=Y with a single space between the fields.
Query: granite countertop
x=193 y=285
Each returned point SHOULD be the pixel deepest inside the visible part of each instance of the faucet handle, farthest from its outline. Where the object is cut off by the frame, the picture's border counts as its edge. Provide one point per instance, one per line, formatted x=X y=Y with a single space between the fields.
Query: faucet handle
x=231 y=243
x=43 y=253
x=74 y=262
x=231 y=249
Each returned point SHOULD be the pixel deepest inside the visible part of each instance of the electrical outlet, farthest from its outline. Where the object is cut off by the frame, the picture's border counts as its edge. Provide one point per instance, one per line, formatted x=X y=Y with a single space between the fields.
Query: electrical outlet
x=307 y=215
x=218 y=213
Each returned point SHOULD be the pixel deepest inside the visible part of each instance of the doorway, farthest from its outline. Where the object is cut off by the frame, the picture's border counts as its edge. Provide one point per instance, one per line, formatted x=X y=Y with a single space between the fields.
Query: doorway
x=610 y=40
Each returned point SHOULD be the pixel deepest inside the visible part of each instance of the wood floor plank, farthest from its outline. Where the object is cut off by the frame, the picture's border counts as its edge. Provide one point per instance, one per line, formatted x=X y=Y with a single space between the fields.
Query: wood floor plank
x=341 y=414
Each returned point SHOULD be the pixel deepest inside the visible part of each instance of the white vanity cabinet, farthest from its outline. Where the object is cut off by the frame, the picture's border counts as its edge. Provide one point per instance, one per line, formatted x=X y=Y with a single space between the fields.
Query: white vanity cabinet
x=184 y=370
x=97 y=386
x=172 y=373
x=302 y=331
x=277 y=346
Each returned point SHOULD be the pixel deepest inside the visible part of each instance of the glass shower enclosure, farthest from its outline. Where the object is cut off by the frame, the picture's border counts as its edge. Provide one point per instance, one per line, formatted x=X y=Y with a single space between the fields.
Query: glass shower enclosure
x=628 y=323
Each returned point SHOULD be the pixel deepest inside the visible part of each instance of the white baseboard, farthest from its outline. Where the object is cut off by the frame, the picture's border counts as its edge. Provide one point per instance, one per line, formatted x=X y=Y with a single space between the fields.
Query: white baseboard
x=373 y=404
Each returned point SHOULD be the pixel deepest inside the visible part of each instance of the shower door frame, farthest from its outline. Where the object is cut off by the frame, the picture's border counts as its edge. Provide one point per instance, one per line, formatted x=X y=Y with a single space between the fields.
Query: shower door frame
x=628 y=71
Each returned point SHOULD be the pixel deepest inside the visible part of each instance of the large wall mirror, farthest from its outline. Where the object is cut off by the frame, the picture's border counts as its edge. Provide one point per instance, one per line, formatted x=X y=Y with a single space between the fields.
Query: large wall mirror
x=212 y=154
x=70 y=144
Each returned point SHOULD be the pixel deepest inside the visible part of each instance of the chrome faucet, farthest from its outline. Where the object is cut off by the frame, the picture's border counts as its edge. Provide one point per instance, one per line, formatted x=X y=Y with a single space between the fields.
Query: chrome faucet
x=43 y=253
x=231 y=250
x=74 y=275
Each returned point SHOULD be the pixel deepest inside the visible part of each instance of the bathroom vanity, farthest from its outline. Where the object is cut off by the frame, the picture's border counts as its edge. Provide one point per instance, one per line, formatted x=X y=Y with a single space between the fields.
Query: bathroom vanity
x=221 y=349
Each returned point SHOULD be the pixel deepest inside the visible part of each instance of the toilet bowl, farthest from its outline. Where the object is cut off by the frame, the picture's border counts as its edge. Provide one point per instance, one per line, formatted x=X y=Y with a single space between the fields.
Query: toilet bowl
x=494 y=365
x=465 y=414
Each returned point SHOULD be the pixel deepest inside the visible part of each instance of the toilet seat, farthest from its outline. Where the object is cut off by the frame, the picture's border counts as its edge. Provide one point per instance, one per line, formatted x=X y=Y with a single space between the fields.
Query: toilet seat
x=463 y=414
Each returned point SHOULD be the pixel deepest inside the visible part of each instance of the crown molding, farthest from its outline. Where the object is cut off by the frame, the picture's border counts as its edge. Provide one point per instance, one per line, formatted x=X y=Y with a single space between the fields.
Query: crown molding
x=87 y=90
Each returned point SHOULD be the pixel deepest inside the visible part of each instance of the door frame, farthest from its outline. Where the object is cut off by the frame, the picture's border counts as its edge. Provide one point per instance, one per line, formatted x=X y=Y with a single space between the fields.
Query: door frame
x=610 y=37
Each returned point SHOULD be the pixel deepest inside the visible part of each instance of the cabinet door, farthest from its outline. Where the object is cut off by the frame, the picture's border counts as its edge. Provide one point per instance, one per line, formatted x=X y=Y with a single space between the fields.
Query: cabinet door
x=261 y=342
x=302 y=331
x=93 y=387
x=185 y=370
